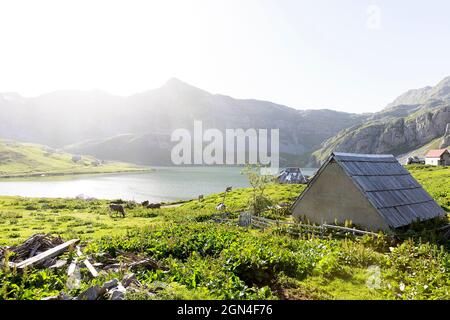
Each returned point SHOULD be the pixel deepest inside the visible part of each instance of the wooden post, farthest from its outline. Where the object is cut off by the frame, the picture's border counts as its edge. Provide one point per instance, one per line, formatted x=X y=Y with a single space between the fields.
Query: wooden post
x=72 y=267
x=47 y=254
x=88 y=264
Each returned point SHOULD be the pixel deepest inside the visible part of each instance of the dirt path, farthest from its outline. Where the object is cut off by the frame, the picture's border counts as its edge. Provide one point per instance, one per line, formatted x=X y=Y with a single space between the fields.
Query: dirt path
x=172 y=205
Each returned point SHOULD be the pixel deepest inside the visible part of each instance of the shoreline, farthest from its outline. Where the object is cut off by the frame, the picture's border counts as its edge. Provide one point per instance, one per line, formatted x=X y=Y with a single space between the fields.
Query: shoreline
x=61 y=174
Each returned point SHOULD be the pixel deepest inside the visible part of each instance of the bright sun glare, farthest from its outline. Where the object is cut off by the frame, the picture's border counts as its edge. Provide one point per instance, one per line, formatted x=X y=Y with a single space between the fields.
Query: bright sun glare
x=122 y=47
x=355 y=57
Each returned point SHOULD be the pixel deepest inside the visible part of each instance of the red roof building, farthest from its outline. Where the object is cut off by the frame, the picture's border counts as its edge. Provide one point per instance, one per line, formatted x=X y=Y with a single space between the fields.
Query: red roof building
x=438 y=157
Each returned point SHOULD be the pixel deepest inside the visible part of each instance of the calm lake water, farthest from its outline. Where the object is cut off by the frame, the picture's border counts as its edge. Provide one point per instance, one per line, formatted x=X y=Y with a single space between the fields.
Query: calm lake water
x=163 y=184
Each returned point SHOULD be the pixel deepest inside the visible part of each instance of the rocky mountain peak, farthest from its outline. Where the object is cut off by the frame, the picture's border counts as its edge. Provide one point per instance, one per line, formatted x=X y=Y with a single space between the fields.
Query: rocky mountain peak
x=175 y=82
x=440 y=92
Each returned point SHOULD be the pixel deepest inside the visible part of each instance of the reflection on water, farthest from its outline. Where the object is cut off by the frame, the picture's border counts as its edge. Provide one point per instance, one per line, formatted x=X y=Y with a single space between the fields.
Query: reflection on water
x=163 y=184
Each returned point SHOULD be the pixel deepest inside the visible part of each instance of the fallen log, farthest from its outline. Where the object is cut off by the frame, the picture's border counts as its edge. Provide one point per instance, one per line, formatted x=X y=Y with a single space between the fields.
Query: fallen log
x=46 y=254
x=350 y=230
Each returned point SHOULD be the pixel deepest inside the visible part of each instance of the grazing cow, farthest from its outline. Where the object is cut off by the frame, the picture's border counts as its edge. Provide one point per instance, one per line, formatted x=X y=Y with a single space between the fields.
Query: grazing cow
x=116 y=208
x=154 y=206
x=145 y=203
x=200 y=197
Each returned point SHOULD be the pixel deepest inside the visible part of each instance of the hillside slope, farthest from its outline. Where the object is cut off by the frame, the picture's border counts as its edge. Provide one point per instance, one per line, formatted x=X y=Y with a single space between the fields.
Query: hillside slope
x=398 y=129
x=421 y=151
x=26 y=159
x=438 y=143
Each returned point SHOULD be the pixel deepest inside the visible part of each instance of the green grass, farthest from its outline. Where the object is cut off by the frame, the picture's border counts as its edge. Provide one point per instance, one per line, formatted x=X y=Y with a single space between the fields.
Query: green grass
x=208 y=260
x=26 y=159
x=436 y=181
x=72 y=218
x=338 y=288
x=22 y=217
x=237 y=199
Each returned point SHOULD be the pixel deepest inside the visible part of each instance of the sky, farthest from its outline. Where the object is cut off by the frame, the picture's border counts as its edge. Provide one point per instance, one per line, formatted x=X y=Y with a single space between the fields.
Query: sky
x=347 y=55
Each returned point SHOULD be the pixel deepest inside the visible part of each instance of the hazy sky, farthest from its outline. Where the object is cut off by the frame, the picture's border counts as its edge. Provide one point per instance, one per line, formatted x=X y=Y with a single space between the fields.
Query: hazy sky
x=348 y=55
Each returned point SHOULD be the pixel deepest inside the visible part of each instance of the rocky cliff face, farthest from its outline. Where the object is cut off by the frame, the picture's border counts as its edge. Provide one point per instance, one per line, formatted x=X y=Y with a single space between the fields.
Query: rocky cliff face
x=411 y=121
x=446 y=139
x=393 y=137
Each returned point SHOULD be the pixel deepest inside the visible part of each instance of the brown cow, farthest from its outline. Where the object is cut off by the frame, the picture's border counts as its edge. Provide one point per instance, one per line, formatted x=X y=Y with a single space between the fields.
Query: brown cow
x=116 y=208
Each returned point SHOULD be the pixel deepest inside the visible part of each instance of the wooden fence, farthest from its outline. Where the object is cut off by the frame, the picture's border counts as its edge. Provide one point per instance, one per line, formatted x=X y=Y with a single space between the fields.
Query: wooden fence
x=298 y=229
x=246 y=219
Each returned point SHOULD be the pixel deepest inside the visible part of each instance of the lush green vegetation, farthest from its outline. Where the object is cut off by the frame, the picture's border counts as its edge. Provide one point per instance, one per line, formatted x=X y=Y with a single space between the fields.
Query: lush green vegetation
x=208 y=260
x=239 y=199
x=436 y=180
x=26 y=159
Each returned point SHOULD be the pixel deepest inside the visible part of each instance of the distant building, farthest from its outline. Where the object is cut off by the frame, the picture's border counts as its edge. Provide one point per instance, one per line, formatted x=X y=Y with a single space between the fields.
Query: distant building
x=439 y=157
x=373 y=191
x=292 y=176
x=415 y=160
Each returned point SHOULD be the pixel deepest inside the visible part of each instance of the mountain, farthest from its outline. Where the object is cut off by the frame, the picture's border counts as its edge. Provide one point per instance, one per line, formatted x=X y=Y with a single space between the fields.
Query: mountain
x=138 y=127
x=440 y=92
x=413 y=120
x=27 y=159
x=151 y=149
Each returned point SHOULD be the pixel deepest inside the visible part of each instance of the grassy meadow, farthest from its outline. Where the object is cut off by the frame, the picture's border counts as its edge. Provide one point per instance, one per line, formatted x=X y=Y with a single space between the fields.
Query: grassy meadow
x=436 y=180
x=27 y=159
x=208 y=260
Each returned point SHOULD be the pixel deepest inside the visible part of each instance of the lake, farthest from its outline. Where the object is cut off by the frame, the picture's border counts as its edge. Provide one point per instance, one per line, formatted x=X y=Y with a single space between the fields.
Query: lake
x=163 y=184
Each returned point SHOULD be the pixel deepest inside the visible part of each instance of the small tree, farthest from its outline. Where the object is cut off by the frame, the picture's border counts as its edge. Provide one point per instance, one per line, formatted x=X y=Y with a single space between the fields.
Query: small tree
x=258 y=182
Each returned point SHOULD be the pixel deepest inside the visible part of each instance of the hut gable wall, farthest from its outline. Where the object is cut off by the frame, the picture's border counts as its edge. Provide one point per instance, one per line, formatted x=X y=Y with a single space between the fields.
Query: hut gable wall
x=334 y=197
x=446 y=159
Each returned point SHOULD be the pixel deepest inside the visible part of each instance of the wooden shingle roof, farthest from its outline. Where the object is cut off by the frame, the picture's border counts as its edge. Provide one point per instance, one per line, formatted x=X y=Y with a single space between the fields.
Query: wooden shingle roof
x=389 y=187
